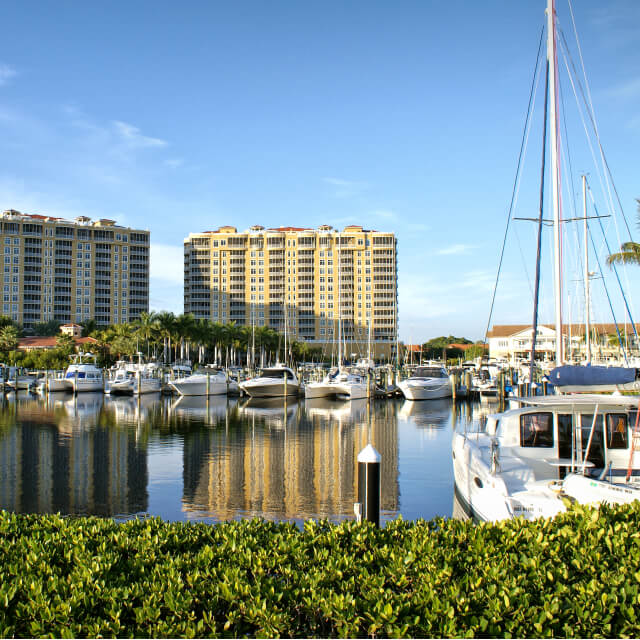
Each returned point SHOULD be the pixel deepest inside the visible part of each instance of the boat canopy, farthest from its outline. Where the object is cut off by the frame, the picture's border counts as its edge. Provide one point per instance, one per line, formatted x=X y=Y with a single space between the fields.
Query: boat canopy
x=575 y=375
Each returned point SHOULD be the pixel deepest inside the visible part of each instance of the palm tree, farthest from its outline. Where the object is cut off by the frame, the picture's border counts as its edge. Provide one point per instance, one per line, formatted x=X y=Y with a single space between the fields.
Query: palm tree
x=184 y=331
x=165 y=323
x=145 y=327
x=629 y=251
x=9 y=338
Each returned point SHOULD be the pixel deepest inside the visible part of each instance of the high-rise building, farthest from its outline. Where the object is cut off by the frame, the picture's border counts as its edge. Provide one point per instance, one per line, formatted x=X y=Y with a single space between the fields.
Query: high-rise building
x=320 y=278
x=70 y=271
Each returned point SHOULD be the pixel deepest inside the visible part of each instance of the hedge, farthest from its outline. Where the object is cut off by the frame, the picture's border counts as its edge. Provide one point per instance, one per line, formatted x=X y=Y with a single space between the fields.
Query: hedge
x=575 y=576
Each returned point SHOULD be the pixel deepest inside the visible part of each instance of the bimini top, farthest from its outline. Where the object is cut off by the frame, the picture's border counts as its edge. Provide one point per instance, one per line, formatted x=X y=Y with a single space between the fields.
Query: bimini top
x=581 y=400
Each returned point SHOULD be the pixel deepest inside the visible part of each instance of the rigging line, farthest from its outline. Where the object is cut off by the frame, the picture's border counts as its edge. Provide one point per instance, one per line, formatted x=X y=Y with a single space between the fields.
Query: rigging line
x=525 y=136
x=615 y=270
x=593 y=119
x=606 y=290
x=593 y=155
x=591 y=113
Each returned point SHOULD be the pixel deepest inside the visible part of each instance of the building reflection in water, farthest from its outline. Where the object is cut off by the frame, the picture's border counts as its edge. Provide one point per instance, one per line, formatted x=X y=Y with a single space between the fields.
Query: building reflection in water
x=291 y=460
x=55 y=456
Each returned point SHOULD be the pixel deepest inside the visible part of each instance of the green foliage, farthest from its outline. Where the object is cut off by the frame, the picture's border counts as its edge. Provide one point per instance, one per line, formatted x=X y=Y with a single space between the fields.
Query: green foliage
x=575 y=576
x=629 y=251
x=50 y=328
x=435 y=347
x=475 y=351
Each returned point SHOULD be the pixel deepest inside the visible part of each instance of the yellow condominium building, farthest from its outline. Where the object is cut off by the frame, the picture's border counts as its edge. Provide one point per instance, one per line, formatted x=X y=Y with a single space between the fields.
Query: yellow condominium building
x=311 y=277
x=72 y=270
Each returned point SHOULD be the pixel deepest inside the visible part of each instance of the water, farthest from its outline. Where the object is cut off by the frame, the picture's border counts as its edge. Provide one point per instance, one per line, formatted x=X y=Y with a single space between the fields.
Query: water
x=193 y=459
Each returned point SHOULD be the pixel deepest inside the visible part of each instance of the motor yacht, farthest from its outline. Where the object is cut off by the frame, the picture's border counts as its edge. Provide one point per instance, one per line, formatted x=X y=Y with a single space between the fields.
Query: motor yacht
x=82 y=376
x=278 y=381
x=133 y=380
x=201 y=384
x=338 y=384
x=523 y=461
x=427 y=383
x=52 y=382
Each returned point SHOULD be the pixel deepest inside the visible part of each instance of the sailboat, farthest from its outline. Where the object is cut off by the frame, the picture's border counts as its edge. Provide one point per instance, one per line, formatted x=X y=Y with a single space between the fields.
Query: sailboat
x=582 y=446
x=275 y=382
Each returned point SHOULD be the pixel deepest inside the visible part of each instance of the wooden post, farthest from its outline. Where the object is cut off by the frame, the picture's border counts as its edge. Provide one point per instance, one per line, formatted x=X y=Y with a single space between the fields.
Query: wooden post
x=285 y=384
x=209 y=384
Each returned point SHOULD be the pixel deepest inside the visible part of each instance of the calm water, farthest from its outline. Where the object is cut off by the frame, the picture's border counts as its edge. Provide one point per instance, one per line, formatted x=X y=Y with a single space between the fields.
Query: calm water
x=190 y=459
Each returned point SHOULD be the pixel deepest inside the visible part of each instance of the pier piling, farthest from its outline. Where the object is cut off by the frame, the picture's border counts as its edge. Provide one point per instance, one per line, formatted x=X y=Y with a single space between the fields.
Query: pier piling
x=368 y=505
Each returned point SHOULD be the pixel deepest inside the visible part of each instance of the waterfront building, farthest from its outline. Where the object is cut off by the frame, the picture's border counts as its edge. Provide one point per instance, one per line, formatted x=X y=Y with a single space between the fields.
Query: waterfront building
x=512 y=342
x=72 y=270
x=310 y=277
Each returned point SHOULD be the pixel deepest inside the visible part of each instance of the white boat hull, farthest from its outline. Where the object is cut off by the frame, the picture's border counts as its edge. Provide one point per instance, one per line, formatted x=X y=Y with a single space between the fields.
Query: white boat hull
x=79 y=385
x=185 y=387
x=274 y=389
x=428 y=391
x=130 y=387
x=332 y=390
x=590 y=490
x=486 y=495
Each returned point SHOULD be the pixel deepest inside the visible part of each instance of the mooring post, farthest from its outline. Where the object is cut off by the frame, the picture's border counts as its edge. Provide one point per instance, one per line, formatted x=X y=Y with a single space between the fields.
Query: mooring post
x=209 y=383
x=285 y=385
x=368 y=505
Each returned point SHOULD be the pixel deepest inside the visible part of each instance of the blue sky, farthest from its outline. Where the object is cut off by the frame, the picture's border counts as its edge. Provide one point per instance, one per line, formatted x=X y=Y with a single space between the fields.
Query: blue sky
x=406 y=116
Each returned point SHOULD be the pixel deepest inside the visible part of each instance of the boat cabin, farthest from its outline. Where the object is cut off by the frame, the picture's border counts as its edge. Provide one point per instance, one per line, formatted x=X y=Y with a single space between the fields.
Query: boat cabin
x=278 y=373
x=430 y=372
x=566 y=435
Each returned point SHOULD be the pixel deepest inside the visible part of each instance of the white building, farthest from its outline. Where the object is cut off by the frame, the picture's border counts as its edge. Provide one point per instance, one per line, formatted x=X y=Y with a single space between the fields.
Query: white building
x=513 y=342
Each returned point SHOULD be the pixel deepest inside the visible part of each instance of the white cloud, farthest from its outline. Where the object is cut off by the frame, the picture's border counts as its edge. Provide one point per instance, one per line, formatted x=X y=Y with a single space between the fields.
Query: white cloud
x=6 y=73
x=132 y=137
x=346 y=188
x=455 y=249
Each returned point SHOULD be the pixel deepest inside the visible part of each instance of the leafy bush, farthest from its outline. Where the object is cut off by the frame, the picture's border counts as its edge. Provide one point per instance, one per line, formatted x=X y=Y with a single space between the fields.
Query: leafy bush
x=575 y=576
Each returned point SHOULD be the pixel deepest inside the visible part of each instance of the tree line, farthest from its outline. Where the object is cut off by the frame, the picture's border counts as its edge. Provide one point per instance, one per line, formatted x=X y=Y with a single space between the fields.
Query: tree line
x=162 y=336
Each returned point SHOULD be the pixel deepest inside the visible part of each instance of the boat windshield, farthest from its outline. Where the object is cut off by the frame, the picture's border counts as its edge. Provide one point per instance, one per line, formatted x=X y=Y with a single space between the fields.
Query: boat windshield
x=276 y=373
x=429 y=372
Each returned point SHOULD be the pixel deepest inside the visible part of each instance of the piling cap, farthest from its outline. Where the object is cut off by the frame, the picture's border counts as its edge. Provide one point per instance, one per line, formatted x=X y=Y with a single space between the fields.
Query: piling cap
x=369 y=455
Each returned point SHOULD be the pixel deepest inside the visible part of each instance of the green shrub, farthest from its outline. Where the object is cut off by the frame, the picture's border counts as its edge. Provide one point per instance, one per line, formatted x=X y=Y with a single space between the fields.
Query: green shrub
x=575 y=576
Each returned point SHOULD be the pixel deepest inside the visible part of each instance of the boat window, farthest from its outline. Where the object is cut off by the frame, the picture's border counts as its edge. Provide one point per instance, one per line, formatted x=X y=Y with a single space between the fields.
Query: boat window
x=536 y=430
x=429 y=372
x=565 y=435
x=617 y=431
x=276 y=373
x=596 y=450
x=81 y=374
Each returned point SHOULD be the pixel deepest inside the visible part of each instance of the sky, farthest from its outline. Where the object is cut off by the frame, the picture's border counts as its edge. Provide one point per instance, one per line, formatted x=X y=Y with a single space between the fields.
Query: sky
x=401 y=116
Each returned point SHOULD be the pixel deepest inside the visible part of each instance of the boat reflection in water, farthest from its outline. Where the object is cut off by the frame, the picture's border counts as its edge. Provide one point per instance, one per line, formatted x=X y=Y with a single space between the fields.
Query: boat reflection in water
x=209 y=409
x=271 y=410
x=221 y=458
x=131 y=409
x=434 y=414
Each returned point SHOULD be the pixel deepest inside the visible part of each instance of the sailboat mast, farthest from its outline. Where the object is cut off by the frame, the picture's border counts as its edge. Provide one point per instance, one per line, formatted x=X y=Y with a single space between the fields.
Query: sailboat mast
x=338 y=238
x=587 y=324
x=555 y=174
